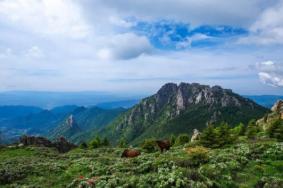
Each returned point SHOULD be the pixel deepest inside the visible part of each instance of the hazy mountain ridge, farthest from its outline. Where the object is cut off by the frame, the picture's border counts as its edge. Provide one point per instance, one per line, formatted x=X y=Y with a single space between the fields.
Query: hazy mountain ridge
x=265 y=100
x=83 y=122
x=180 y=108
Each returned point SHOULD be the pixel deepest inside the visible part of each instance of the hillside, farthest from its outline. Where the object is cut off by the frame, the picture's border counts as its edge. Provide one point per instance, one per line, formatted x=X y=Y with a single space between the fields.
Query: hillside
x=180 y=108
x=83 y=122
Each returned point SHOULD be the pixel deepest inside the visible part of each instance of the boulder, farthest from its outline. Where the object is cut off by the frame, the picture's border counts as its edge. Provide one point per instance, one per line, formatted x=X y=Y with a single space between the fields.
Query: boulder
x=35 y=141
x=196 y=135
x=62 y=145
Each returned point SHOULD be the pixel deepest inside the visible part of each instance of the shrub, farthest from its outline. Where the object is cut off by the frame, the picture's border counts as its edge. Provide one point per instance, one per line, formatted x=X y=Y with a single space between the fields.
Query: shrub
x=149 y=145
x=95 y=143
x=198 y=155
x=182 y=139
x=83 y=145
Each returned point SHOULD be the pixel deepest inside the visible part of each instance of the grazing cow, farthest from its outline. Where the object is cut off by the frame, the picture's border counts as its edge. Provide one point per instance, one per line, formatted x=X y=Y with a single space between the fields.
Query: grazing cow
x=130 y=153
x=163 y=144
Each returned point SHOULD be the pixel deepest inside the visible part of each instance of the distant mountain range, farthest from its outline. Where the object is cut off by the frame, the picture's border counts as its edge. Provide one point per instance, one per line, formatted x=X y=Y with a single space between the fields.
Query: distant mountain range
x=265 y=100
x=172 y=110
x=83 y=122
x=176 y=109
x=18 y=120
x=49 y=100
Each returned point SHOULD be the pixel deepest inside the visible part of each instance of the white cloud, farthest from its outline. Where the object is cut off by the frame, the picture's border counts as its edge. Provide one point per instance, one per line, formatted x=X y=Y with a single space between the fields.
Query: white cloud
x=271 y=73
x=124 y=46
x=268 y=28
x=240 y=12
x=189 y=40
x=45 y=16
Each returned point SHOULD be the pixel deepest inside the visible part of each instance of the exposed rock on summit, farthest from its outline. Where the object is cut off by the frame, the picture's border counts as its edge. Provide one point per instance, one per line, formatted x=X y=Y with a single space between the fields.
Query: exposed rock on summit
x=182 y=108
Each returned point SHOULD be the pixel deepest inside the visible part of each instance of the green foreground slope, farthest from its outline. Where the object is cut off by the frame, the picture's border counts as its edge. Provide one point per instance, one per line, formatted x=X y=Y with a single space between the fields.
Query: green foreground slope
x=244 y=164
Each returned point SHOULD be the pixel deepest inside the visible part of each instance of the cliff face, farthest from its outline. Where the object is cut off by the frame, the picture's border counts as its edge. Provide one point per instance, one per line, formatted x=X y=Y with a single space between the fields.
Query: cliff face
x=176 y=108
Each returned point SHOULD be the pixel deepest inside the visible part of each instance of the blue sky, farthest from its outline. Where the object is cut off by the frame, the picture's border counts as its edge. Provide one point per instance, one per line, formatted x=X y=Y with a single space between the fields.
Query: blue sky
x=136 y=46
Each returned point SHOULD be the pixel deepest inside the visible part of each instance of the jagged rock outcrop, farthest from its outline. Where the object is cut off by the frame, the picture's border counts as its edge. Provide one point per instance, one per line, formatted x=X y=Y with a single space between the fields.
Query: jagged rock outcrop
x=276 y=113
x=181 y=108
x=278 y=108
x=35 y=141
x=195 y=136
x=62 y=145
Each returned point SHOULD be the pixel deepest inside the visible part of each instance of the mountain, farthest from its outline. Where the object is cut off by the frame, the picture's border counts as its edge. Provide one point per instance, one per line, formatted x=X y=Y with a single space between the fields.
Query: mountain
x=83 y=122
x=265 y=100
x=118 y=104
x=180 y=108
x=7 y=112
x=31 y=121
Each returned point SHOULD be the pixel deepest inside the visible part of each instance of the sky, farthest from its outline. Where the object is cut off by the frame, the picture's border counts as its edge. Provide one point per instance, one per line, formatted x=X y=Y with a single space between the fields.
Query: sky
x=136 y=46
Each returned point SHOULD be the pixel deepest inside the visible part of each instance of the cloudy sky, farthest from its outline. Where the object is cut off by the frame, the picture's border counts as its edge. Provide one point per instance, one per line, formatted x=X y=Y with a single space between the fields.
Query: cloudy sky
x=136 y=46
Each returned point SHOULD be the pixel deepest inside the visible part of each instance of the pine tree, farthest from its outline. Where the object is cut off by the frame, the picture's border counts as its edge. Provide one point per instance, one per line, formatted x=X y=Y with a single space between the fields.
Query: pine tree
x=172 y=139
x=223 y=135
x=95 y=143
x=252 y=129
x=208 y=137
x=83 y=145
x=122 y=143
x=105 y=142
x=275 y=130
x=239 y=130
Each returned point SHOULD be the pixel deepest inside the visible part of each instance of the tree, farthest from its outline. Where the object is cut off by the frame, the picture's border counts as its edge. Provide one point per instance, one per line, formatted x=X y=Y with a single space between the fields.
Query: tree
x=239 y=130
x=275 y=130
x=208 y=137
x=122 y=143
x=83 y=145
x=95 y=143
x=182 y=139
x=252 y=129
x=105 y=142
x=172 y=139
x=223 y=134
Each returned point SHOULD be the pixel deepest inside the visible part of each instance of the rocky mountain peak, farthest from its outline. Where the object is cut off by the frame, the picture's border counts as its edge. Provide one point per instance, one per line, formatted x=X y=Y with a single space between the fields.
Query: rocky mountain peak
x=187 y=106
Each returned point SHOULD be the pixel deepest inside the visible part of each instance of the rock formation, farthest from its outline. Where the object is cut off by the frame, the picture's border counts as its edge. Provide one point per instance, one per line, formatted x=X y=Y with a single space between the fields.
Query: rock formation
x=278 y=108
x=196 y=135
x=62 y=145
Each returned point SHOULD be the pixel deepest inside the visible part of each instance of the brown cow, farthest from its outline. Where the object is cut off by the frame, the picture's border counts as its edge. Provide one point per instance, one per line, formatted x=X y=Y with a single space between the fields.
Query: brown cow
x=130 y=153
x=163 y=144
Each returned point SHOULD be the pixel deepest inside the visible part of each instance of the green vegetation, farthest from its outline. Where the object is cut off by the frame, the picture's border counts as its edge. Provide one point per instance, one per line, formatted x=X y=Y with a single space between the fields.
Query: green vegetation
x=182 y=139
x=240 y=165
x=224 y=156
